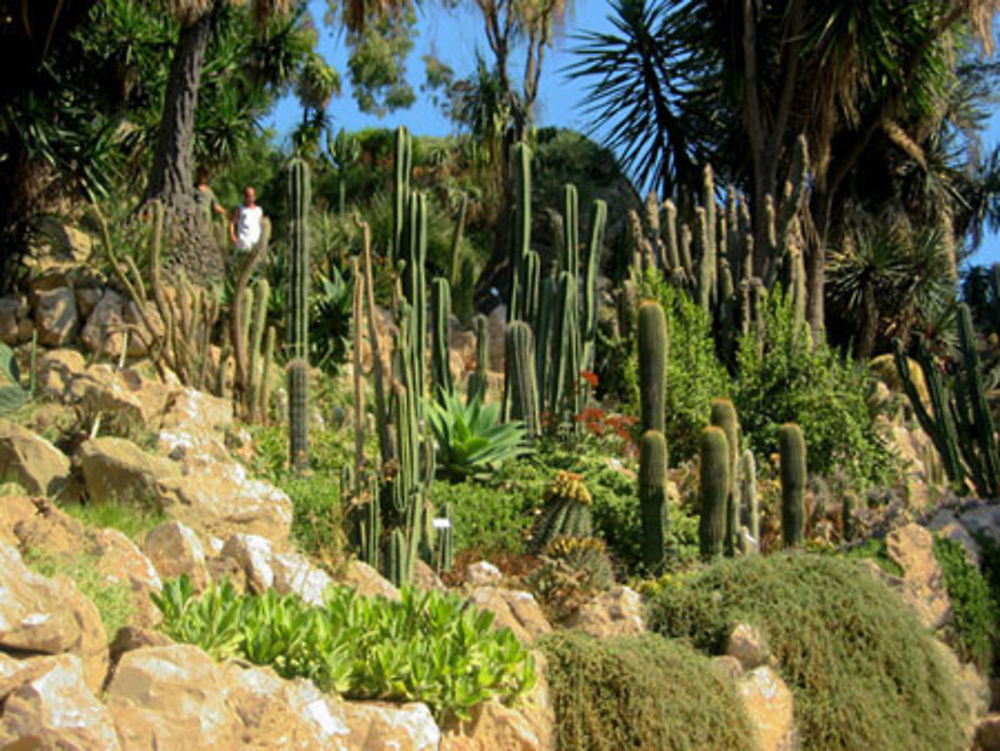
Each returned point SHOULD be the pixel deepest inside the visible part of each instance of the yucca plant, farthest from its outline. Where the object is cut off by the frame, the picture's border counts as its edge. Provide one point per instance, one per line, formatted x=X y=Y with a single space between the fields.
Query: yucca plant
x=471 y=441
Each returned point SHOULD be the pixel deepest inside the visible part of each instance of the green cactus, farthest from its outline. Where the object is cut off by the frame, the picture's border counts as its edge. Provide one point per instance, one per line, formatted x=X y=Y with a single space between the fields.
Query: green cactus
x=476 y=387
x=587 y=556
x=299 y=199
x=520 y=385
x=723 y=415
x=706 y=261
x=669 y=227
x=792 y=447
x=599 y=215
x=396 y=558
x=653 y=497
x=653 y=353
x=565 y=366
x=543 y=337
x=441 y=325
x=567 y=511
x=847 y=517
x=714 y=478
x=262 y=292
x=298 y=415
x=570 y=259
x=522 y=233
x=402 y=165
x=532 y=285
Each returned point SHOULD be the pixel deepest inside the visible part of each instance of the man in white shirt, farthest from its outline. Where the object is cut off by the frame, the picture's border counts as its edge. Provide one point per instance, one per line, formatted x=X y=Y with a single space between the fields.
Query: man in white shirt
x=244 y=227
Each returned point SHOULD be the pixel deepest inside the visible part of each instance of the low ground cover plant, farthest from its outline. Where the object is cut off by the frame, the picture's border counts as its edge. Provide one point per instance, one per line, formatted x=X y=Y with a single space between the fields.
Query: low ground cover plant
x=864 y=671
x=427 y=647
x=642 y=692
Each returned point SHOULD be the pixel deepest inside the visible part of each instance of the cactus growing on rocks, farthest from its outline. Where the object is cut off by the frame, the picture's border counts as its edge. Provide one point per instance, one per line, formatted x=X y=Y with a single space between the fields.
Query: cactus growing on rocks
x=792 y=447
x=714 y=479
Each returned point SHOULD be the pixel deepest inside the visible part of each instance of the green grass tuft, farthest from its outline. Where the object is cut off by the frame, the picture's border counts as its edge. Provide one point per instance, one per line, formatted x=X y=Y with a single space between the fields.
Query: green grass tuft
x=134 y=520
x=864 y=671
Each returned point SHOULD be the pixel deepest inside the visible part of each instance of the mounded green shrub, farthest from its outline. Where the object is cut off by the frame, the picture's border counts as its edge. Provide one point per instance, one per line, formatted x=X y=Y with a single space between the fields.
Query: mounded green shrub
x=864 y=671
x=977 y=616
x=639 y=692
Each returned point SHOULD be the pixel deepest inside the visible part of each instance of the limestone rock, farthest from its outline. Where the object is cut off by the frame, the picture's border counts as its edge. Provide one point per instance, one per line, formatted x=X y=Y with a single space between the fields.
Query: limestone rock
x=220 y=499
x=984 y=520
x=946 y=524
x=175 y=550
x=87 y=299
x=253 y=554
x=31 y=461
x=367 y=581
x=483 y=574
x=425 y=578
x=117 y=469
x=912 y=547
x=13 y=510
x=515 y=610
x=54 y=709
x=402 y=727
x=770 y=707
x=171 y=697
x=748 y=646
x=55 y=316
x=190 y=409
x=126 y=396
x=103 y=333
x=294 y=573
x=12 y=310
x=617 y=612
x=57 y=370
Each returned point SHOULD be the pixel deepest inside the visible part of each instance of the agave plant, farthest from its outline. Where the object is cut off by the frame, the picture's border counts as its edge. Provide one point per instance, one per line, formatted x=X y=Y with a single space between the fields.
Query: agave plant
x=472 y=443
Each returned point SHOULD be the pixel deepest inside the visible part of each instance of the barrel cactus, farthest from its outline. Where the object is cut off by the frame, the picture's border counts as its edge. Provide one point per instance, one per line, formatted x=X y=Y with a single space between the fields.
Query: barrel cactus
x=567 y=511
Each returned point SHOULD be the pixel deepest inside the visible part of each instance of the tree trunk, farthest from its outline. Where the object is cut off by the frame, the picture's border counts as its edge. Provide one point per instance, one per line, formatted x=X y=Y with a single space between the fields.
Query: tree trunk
x=172 y=178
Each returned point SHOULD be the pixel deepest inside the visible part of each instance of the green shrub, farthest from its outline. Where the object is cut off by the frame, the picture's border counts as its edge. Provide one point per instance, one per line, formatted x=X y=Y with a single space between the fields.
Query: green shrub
x=113 y=601
x=640 y=692
x=486 y=518
x=429 y=647
x=875 y=549
x=864 y=671
x=786 y=379
x=973 y=605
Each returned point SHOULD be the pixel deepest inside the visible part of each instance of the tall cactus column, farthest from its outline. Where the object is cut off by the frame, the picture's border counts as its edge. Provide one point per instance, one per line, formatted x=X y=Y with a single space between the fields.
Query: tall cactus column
x=653 y=345
x=714 y=490
x=653 y=497
x=724 y=416
x=299 y=198
x=792 y=445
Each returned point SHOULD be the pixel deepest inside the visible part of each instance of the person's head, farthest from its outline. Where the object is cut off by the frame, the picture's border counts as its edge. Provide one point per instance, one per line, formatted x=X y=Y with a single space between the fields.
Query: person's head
x=201 y=176
x=249 y=196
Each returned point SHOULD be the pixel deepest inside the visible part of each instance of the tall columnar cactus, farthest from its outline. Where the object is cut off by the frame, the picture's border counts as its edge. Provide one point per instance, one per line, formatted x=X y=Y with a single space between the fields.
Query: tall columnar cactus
x=723 y=415
x=564 y=374
x=653 y=497
x=299 y=199
x=257 y=367
x=440 y=322
x=567 y=512
x=706 y=261
x=400 y=190
x=265 y=379
x=522 y=234
x=653 y=354
x=792 y=447
x=415 y=287
x=751 y=501
x=476 y=387
x=959 y=420
x=298 y=414
x=532 y=285
x=521 y=387
x=598 y=219
x=570 y=260
x=670 y=229
x=714 y=479
x=396 y=560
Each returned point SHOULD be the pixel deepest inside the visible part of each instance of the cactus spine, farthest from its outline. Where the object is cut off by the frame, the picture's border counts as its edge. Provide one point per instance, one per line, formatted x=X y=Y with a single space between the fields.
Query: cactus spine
x=792 y=446
x=653 y=354
x=521 y=387
x=440 y=354
x=714 y=491
x=723 y=416
x=653 y=497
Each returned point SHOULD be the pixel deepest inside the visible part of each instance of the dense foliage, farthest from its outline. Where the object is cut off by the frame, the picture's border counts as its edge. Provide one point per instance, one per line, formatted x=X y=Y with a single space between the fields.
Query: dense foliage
x=973 y=605
x=864 y=672
x=640 y=692
x=427 y=647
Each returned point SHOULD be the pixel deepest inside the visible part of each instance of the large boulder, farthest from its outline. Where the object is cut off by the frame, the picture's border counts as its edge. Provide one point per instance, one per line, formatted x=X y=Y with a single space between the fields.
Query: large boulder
x=117 y=469
x=402 y=727
x=770 y=707
x=171 y=697
x=56 y=317
x=52 y=707
x=31 y=461
x=57 y=369
x=190 y=409
x=983 y=520
x=103 y=333
x=126 y=397
x=49 y=616
x=922 y=584
x=617 y=612
x=14 y=509
x=367 y=581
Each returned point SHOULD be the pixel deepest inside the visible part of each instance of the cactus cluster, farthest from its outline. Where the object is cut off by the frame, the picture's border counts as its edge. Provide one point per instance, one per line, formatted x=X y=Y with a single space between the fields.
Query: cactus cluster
x=561 y=309
x=958 y=419
x=586 y=555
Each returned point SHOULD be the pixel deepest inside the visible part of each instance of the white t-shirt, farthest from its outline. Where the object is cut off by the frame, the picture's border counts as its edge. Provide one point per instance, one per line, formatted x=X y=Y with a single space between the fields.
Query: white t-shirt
x=248 y=221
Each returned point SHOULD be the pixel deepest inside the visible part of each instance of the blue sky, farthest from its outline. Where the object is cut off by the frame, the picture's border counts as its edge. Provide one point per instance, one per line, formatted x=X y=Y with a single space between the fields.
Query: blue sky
x=453 y=35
